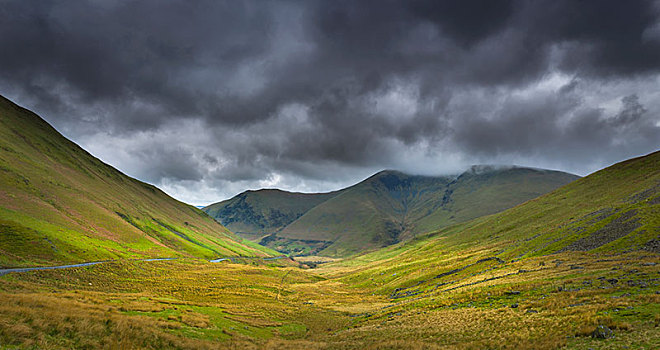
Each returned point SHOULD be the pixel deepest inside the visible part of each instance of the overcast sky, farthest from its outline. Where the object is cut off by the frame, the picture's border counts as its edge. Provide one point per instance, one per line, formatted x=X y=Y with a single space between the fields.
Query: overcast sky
x=206 y=99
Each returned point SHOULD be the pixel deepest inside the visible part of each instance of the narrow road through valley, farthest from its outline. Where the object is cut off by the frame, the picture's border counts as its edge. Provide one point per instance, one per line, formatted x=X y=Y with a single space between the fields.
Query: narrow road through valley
x=26 y=269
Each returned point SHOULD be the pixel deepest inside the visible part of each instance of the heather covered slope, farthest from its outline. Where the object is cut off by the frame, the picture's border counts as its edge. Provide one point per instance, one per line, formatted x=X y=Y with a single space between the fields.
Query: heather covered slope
x=391 y=206
x=60 y=204
x=253 y=214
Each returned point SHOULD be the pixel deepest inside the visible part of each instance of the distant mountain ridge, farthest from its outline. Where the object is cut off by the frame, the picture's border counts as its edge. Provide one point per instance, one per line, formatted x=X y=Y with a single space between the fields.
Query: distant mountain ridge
x=386 y=208
x=257 y=213
x=59 y=204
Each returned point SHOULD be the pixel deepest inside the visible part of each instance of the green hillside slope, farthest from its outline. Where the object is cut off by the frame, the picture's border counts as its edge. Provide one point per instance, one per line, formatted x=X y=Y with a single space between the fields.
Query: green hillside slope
x=608 y=213
x=60 y=204
x=485 y=190
x=391 y=206
x=253 y=214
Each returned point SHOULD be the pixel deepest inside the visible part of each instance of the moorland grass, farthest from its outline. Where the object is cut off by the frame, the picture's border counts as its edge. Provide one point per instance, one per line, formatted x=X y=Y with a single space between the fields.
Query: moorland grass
x=199 y=305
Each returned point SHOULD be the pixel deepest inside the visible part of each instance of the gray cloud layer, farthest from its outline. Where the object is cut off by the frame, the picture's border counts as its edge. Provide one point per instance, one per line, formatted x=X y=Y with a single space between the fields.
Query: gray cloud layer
x=208 y=98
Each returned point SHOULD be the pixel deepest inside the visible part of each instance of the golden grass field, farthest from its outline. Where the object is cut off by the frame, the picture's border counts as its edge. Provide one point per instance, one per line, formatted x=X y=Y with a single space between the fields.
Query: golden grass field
x=194 y=304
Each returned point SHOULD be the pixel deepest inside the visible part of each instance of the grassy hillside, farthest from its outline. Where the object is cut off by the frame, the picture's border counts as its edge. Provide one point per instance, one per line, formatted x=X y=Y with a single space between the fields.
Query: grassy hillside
x=613 y=210
x=486 y=190
x=253 y=214
x=610 y=212
x=391 y=206
x=60 y=204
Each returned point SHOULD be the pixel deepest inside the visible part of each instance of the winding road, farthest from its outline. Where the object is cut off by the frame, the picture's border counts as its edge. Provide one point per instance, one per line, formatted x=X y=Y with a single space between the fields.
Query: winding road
x=26 y=269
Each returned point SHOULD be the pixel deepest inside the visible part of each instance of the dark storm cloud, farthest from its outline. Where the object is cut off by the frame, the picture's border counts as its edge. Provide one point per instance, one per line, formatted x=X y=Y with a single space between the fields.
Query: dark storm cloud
x=256 y=92
x=605 y=38
x=556 y=125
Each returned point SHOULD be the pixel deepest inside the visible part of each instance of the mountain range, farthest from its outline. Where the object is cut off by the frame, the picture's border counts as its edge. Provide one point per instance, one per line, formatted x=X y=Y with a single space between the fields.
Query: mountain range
x=611 y=212
x=384 y=209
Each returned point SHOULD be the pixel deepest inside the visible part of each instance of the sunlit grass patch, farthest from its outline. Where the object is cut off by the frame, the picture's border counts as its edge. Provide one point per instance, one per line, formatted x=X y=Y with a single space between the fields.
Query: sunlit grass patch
x=191 y=303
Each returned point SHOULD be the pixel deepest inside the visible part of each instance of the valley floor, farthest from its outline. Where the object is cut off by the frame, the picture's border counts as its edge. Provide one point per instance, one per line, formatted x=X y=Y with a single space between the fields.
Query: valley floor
x=548 y=302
